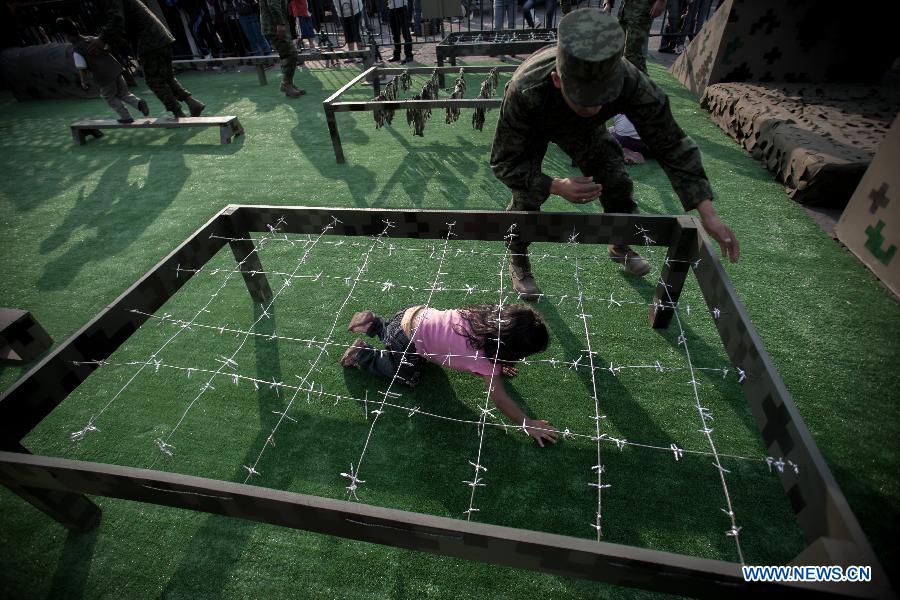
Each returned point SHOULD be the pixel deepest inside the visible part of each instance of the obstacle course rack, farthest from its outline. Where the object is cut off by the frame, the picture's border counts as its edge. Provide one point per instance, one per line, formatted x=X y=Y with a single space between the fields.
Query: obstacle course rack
x=58 y=486
x=375 y=75
x=491 y=43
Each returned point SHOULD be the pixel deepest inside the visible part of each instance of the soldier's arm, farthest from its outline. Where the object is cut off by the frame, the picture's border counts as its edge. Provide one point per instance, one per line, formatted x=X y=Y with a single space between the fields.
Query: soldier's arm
x=516 y=152
x=648 y=109
x=647 y=106
x=112 y=28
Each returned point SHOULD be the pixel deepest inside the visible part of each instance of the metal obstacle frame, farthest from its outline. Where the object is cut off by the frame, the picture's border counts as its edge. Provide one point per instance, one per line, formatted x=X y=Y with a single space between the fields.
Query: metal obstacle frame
x=58 y=486
x=374 y=75
x=490 y=43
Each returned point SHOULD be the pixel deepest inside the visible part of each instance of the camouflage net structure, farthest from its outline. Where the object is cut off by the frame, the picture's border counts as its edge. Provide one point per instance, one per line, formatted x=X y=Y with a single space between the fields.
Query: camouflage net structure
x=818 y=139
x=389 y=83
x=488 y=87
x=417 y=117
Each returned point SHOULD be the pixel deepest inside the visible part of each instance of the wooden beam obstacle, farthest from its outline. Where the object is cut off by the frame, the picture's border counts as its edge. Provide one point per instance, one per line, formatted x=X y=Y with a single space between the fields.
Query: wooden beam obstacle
x=229 y=126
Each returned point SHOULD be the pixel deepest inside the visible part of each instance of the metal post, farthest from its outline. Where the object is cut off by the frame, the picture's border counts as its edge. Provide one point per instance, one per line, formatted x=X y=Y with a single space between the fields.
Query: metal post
x=674 y=272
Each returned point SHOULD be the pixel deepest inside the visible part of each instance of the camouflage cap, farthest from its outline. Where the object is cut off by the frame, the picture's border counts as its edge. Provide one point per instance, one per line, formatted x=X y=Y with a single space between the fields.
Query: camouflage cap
x=589 y=56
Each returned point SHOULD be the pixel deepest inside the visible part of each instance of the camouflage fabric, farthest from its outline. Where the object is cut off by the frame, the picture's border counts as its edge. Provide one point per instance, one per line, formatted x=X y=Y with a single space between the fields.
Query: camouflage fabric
x=160 y=78
x=288 y=55
x=534 y=113
x=273 y=13
x=634 y=17
x=589 y=48
x=130 y=21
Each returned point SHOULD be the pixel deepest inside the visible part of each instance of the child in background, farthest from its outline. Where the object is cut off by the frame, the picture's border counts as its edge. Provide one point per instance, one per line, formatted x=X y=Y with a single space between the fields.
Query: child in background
x=106 y=70
x=633 y=147
x=463 y=339
x=303 y=20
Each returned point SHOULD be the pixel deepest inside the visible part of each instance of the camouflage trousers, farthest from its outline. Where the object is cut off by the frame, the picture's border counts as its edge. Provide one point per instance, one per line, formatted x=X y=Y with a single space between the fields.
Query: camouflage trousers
x=160 y=77
x=288 y=55
x=634 y=17
x=597 y=155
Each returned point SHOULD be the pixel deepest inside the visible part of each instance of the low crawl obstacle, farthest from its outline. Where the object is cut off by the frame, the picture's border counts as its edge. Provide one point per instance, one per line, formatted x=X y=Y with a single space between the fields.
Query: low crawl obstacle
x=419 y=106
x=229 y=126
x=60 y=487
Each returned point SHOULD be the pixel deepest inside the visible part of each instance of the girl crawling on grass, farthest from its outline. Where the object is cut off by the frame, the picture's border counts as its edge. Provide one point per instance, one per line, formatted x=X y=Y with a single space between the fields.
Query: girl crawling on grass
x=464 y=339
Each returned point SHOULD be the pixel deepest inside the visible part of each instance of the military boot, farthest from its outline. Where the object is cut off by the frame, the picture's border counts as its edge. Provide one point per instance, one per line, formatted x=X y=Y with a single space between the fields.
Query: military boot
x=633 y=262
x=178 y=113
x=290 y=90
x=522 y=279
x=196 y=107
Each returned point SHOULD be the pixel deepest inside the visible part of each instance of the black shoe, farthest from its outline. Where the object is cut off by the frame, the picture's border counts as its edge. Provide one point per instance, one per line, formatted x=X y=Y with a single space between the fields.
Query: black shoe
x=142 y=106
x=125 y=121
x=394 y=59
x=667 y=50
x=406 y=60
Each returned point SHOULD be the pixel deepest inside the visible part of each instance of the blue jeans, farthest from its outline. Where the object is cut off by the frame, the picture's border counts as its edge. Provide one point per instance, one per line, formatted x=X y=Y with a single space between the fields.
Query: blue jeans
x=499 y=7
x=253 y=32
x=400 y=360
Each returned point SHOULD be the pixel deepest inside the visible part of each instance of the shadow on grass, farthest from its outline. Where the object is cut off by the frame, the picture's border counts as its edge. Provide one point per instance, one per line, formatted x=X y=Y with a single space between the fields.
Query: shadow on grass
x=117 y=211
x=215 y=549
x=74 y=565
x=640 y=504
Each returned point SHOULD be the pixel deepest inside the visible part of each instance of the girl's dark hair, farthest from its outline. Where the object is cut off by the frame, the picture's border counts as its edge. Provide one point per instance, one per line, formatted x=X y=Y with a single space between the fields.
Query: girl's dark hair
x=66 y=26
x=522 y=331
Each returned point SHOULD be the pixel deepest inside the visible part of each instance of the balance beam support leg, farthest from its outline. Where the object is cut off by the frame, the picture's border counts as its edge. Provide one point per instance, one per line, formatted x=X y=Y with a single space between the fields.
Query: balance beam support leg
x=261 y=73
x=78 y=136
x=674 y=272
x=74 y=511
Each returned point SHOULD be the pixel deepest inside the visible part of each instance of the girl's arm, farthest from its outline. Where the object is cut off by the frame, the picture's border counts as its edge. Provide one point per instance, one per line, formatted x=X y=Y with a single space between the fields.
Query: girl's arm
x=538 y=429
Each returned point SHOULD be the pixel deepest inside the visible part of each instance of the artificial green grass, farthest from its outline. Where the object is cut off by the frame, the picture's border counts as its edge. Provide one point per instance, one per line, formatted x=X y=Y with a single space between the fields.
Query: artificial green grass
x=83 y=223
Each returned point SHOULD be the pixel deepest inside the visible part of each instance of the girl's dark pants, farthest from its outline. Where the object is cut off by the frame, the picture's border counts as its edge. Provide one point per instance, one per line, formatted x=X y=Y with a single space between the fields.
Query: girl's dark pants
x=399 y=356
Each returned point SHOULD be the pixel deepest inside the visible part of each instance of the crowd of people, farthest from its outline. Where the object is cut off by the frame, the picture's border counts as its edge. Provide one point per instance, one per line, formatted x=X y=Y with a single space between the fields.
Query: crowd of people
x=215 y=28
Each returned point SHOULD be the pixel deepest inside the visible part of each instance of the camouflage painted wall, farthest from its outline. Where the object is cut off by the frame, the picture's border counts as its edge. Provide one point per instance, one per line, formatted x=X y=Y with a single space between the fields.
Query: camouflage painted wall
x=41 y=72
x=792 y=41
x=870 y=226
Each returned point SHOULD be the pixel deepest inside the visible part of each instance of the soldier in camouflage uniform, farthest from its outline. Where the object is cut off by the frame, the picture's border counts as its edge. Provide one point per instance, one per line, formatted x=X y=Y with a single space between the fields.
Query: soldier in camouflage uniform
x=564 y=94
x=275 y=20
x=130 y=21
x=636 y=17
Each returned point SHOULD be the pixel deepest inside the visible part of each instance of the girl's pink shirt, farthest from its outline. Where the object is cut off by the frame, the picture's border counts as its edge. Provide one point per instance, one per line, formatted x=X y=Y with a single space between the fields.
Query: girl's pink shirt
x=437 y=340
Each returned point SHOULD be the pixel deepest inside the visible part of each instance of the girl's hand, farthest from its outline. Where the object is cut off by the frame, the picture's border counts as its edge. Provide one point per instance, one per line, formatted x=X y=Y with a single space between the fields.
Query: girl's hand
x=541 y=431
x=509 y=371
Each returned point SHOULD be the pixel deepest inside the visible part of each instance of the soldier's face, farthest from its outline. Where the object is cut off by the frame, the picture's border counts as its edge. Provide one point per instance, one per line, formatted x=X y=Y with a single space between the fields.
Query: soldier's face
x=585 y=112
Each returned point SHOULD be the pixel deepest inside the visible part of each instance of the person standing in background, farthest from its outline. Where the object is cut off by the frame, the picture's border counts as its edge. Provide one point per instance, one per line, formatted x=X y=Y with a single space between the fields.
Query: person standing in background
x=248 y=16
x=276 y=25
x=303 y=21
x=399 y=20
x=636 y=17
x=350 y=12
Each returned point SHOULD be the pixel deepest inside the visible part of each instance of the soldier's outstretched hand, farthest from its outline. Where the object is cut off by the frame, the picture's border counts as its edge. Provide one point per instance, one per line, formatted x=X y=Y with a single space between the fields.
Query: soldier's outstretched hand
x=577 y=190
x=717 y=228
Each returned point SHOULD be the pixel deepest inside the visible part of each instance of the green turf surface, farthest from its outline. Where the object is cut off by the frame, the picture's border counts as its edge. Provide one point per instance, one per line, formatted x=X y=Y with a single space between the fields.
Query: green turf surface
x=82 y=223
